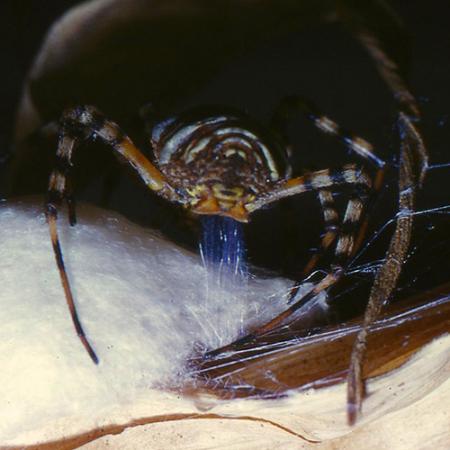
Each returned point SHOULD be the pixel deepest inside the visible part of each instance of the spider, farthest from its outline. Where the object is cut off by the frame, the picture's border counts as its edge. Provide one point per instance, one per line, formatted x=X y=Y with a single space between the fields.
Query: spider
x=223 y=163
x=218 y=161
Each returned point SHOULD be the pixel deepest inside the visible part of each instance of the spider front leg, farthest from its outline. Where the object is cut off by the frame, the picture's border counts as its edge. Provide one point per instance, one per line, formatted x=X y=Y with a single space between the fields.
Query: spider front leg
x=79 y=124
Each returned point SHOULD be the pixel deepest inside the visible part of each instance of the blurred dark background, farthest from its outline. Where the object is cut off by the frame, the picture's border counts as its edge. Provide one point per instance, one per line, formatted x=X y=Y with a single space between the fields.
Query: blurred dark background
x=26 y=22
x=324 y=64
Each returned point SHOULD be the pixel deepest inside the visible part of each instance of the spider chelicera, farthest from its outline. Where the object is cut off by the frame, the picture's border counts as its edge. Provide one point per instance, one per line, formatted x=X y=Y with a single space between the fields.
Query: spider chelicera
x=221 y=162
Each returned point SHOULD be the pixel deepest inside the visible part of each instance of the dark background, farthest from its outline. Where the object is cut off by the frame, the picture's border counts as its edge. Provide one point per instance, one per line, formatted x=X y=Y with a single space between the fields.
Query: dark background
x=25 y=24
x=315 y=63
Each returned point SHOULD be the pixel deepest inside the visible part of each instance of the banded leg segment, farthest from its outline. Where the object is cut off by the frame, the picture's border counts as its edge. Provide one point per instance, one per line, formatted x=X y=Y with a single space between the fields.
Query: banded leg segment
x=388 y=274
x=331 y=222
x=51 y=220
x=413 y=167
x=346 y=234
x=347 y=244
x=296 y=104
x=57 y=191
x=348 y=241
x=89 y=123
x=390 y=72
x=77 y=125
x=348 y=175
x=363 y=24
x=347 y=237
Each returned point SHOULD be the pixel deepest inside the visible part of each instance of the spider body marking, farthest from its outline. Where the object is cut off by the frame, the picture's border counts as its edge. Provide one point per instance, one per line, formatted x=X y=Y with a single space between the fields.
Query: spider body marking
x=219 y=162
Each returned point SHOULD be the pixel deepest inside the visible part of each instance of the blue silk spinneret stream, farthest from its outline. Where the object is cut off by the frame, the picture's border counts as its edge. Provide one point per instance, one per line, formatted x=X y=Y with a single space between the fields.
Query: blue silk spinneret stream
x=222 y=248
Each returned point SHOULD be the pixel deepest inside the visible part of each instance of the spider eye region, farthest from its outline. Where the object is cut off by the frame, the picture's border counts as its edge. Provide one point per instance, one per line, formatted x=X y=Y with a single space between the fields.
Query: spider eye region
x=219 y=199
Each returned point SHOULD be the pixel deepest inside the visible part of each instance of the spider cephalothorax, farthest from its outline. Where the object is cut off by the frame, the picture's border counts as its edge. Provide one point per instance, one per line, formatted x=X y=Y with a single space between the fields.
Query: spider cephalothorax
x=218 y=161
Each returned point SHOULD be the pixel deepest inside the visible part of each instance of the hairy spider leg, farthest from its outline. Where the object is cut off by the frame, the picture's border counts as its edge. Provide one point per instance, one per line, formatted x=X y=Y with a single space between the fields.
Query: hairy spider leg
x=390 y=72
x=387 y=276
x=331 y=229
x=349 y=175
x=407 y=103
x=77 y=125
x=412 y=171
x=297 y=104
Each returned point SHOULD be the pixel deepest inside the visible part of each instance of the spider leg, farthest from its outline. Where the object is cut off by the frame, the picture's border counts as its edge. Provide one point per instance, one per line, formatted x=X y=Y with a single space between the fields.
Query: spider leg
x=58 y=190
x=412 y=170
x=294 y=104
x=297 y=104
x=331 y=220
x=78 y=124
x=332 y=227
x=349 y=174
x=387 y=51
x=347 y=237
x=387 y=276
x=407 y=104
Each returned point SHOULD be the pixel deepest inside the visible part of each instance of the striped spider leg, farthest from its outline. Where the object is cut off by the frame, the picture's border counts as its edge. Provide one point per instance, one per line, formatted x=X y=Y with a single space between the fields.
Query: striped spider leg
x=347 y=236
x=412 y=170
x=296 y=104
x=77 y=125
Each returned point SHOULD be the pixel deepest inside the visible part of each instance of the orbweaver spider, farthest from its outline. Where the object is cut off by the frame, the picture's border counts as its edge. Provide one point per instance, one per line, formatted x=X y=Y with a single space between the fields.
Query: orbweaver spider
x=220 y=162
